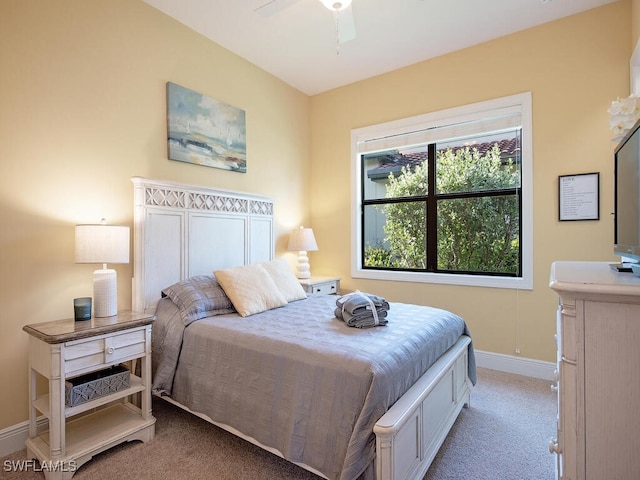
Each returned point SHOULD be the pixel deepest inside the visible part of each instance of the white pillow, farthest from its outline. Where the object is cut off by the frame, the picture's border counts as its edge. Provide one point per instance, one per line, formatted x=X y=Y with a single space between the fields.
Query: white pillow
x=250 y=288
x=284 y=279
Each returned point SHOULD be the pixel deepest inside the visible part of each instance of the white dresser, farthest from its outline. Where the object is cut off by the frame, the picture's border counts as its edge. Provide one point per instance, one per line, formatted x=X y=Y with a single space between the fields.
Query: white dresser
x=598 y=376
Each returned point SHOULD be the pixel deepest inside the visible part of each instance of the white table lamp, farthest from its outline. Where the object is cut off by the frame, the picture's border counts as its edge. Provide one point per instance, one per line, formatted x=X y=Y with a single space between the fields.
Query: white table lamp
x=302 y=241
x=103 y=244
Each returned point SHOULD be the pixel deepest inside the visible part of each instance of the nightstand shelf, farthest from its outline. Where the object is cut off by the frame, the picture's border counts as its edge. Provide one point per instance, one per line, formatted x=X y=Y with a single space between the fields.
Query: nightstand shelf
x=321 y=285
x=42 y=402
x=94 y=433
x=64 y=349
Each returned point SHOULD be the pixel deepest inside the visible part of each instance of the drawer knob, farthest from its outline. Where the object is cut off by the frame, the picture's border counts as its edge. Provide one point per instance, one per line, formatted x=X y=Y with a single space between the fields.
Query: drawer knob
x=110 y=350
x=553 y=446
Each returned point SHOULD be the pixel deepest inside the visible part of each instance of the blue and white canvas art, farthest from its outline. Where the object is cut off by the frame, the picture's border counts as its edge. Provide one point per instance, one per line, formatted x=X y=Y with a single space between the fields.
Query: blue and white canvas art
x=204 y=131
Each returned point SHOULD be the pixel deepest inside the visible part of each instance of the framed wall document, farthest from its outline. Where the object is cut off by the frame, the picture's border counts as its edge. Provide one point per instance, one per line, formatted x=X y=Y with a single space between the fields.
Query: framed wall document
x=579 y=197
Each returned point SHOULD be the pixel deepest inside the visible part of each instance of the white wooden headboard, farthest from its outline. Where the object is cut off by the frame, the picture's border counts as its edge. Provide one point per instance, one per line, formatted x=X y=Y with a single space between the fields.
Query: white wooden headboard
x=184 y=230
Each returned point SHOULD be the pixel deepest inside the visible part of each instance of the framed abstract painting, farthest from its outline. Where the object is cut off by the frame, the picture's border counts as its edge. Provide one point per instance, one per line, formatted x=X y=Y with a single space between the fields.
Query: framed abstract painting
x=205 y=131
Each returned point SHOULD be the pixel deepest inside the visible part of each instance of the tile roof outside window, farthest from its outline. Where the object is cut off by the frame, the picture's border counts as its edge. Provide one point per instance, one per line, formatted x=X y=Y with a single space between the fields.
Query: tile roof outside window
x=393 y=162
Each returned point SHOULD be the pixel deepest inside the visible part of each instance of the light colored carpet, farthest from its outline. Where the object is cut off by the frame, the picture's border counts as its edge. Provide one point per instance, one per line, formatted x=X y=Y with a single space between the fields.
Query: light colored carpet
x=505 y=433
x=502 y=436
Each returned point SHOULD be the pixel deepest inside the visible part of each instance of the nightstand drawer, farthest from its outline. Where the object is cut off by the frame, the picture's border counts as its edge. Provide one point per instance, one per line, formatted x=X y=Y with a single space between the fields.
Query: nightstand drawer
x=94 y=352
x=321 y=285
x=328 y=288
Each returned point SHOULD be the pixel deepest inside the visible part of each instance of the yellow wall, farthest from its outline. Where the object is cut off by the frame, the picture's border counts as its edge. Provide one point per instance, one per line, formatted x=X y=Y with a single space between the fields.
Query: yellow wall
x=635 y=22
x=82 y=109
x=574 y=68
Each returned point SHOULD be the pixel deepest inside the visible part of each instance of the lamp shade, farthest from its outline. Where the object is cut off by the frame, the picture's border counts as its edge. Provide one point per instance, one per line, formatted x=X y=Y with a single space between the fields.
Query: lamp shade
x=302 y=239
x=102 y=244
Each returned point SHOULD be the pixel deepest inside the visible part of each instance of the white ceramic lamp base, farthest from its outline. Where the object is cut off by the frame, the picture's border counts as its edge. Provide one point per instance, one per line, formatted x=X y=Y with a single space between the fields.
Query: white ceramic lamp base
x=105 y=293
x=303 y=269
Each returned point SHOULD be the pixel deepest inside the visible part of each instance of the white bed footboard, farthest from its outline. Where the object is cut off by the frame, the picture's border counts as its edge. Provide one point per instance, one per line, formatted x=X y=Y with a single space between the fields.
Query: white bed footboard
x=410 y=434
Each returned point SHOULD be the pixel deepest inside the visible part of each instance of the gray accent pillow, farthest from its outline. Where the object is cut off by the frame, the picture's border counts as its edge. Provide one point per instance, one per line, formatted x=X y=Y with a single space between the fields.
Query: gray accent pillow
x=198 y=297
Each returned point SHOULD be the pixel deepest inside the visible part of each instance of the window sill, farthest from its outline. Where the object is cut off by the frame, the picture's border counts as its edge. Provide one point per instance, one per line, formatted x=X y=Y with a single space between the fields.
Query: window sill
x=522 y=283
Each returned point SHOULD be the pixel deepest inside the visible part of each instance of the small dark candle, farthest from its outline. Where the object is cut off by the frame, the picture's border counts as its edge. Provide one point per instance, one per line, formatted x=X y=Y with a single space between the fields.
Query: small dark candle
x=82 y=308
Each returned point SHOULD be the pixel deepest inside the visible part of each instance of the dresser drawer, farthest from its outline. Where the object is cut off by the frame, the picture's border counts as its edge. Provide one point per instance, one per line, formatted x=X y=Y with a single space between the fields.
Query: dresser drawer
x=96 y=352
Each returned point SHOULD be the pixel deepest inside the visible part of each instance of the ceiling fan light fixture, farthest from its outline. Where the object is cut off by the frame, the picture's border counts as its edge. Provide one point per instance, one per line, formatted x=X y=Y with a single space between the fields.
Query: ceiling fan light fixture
x=336 y=5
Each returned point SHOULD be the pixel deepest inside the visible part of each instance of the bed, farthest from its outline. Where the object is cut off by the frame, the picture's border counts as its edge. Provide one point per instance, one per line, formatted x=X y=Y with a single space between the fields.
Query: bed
x=342 y=402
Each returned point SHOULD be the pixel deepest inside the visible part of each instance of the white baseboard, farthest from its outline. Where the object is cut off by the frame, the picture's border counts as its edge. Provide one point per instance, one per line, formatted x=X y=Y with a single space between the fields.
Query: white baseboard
x=12 y=438
x=518 y=365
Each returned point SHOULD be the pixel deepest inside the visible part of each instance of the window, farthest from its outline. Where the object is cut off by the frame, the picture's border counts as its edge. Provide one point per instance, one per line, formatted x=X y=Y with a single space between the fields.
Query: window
x=446 y=197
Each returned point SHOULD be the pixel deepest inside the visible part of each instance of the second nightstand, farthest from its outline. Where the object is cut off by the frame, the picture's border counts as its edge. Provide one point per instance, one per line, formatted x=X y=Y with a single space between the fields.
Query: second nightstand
x=321 y=285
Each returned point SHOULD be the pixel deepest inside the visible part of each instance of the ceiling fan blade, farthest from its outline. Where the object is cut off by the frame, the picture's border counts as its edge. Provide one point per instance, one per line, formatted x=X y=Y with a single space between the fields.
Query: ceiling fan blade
x=267 y=8
x=346 y=25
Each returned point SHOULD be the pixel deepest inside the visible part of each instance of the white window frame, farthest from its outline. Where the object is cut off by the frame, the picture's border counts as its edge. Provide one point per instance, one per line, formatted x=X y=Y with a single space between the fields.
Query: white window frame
x=449 y=116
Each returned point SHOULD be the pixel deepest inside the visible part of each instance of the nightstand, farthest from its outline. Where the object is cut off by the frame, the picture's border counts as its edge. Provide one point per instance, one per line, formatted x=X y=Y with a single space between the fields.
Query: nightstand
x=321 y=285
x=63 y=349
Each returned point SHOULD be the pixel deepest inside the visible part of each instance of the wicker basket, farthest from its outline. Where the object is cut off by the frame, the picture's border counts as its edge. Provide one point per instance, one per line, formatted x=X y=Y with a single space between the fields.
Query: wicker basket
x=94 y=385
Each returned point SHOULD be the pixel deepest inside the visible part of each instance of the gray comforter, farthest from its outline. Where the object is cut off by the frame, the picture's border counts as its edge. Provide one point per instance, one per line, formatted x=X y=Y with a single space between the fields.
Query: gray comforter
x=296 y=378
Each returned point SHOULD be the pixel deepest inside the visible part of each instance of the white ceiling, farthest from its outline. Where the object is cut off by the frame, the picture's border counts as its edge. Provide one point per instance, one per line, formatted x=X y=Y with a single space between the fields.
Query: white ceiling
x=298 y=43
